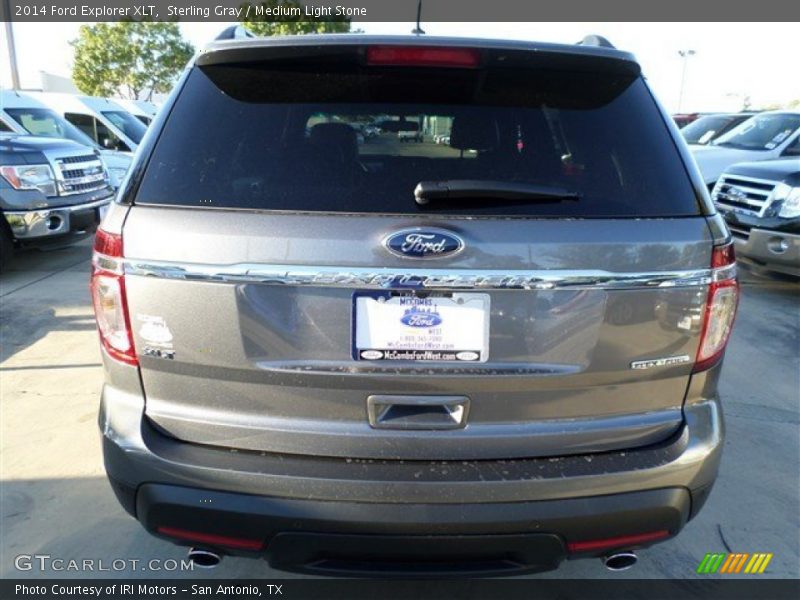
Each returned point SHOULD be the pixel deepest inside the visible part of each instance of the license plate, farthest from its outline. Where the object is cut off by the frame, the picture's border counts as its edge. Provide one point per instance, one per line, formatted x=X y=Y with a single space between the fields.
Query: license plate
x=396 y=326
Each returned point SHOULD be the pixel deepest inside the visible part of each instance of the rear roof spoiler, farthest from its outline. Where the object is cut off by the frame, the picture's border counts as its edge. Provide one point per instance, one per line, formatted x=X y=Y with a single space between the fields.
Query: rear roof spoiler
x=593 y=51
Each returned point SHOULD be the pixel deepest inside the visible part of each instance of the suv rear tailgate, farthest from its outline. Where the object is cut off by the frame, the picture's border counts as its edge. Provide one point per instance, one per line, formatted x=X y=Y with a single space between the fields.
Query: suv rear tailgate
x=267 y=365
x=260 y=256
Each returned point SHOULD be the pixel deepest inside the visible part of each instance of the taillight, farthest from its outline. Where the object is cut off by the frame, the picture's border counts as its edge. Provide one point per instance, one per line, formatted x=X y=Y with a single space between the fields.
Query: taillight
x=720 y=309
x=108 y=296
x=423 y=56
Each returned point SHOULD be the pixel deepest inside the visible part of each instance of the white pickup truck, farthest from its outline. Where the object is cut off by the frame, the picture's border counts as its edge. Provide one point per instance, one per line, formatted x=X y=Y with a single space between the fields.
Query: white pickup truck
x=767 y=136
x=409 y=136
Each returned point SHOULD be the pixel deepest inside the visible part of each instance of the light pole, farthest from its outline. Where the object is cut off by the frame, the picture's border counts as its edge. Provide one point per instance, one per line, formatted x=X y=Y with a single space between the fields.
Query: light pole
x=5 y=11
x=418 y=30
x=684 y=54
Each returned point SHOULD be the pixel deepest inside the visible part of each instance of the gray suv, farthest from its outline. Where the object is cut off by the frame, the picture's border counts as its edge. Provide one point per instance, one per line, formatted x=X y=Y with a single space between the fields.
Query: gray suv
x=352 y=355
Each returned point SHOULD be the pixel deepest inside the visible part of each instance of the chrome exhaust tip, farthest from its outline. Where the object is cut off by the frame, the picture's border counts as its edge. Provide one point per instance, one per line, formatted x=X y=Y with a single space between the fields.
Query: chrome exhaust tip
x=621 y=561
x=205 y=559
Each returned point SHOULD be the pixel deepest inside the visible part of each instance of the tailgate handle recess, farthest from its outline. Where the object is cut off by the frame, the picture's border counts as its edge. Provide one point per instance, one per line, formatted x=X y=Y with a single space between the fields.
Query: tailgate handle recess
x=417 y=412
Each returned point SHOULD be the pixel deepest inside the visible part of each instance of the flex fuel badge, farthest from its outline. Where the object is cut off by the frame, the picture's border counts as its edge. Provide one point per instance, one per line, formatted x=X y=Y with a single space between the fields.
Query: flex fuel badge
x=157 y=336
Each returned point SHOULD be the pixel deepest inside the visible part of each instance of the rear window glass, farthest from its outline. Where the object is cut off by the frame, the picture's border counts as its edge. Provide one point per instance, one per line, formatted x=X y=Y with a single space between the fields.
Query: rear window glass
x=361 y=139
x=46 y=123
x=762 y=132
x=703 y=129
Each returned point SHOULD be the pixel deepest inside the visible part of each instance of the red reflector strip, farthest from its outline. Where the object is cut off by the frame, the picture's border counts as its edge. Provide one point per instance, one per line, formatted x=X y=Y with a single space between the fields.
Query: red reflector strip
x=615 y=542
x=425 y=56
x=211 y=539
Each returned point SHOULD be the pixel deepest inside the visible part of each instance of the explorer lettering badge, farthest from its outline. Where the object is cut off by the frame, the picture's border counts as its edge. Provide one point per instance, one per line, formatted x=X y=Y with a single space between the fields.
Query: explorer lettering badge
x=423 y=243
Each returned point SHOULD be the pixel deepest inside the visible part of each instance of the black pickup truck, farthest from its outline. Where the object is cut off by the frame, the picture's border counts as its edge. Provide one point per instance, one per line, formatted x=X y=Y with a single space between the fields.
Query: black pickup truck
x=761 y=203
x=52 y=191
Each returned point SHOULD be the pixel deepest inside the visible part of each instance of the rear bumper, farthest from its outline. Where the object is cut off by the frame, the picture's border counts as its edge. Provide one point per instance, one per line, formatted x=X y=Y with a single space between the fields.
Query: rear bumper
x=351 y=538
x=328 y=514
x=777 y=250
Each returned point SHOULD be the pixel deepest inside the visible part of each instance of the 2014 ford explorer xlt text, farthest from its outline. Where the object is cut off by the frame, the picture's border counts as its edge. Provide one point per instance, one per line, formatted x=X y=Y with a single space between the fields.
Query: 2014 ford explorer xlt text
x=349 y=354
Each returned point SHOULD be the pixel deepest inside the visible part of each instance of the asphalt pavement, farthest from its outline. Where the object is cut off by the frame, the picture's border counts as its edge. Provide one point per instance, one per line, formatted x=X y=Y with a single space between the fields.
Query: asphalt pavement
x=55 y=500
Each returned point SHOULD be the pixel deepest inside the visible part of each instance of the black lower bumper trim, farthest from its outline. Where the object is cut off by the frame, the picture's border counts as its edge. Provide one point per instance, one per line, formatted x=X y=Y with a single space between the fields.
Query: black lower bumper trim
x=365 y=538
x=415 y=556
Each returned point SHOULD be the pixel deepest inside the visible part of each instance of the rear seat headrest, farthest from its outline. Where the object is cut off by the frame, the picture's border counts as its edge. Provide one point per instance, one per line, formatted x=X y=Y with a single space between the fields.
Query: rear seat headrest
x=474 y=133
x=332 y=136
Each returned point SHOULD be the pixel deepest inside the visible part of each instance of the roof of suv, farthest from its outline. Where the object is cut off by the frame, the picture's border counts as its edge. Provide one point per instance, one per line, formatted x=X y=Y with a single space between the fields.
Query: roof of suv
x=321 y=41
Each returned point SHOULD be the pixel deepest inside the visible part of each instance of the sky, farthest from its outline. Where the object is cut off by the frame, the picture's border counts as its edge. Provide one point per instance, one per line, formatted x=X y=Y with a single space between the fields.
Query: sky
x=731 y=61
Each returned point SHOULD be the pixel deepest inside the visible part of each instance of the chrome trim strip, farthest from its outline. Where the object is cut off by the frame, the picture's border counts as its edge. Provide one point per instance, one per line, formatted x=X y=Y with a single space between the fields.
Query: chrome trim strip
x=733 y=176
x=664 y=361
x=722 y=197
x=759 y=207
x=95 y=204
x=99 y=186
x=60 y=163
x=67 y=208
x=97 y=177
x=81 y=166
x=386 y=278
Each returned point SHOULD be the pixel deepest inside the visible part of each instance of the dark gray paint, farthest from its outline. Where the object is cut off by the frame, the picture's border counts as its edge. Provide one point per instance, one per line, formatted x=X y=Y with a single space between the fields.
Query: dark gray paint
x=267 y=367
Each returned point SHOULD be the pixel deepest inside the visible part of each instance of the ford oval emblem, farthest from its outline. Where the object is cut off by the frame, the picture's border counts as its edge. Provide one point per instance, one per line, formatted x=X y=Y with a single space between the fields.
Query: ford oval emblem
x=423 y=243
x=421 y=317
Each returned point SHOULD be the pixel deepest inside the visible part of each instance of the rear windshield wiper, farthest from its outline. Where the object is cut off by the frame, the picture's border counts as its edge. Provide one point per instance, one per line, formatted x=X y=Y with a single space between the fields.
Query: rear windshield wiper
x=475 y=189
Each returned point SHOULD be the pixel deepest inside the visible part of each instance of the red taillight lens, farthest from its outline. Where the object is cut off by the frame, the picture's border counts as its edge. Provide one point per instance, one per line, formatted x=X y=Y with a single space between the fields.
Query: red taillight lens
x=723 y=256
x=108 y=244
x=108 y=296
x=720 y=309
x=423 y=56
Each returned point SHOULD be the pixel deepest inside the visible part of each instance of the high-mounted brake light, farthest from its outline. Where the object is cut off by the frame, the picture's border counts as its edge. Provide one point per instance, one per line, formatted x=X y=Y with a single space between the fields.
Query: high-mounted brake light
x=720 y=309
x=108 y=296
x=423 y=56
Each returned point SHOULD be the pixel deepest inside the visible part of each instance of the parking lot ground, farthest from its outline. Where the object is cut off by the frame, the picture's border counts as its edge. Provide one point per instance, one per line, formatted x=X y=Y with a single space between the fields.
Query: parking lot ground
x=55 y=499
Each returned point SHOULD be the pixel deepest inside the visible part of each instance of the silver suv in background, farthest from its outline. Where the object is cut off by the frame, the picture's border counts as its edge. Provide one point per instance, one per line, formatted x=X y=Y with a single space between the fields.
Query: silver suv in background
x=480 y=356
x=761 y=203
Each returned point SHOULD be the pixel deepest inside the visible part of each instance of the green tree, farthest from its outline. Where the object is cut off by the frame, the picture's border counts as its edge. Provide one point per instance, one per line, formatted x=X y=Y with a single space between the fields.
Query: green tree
x=132 y=59
x=290 y=24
